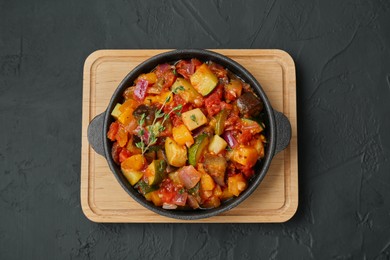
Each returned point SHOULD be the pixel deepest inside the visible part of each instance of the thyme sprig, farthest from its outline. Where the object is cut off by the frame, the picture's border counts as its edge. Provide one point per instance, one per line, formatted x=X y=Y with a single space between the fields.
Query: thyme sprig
x=157 y=127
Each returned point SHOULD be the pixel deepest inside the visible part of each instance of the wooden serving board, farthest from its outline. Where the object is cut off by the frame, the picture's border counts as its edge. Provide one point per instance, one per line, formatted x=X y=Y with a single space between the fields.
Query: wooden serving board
x=104 y=200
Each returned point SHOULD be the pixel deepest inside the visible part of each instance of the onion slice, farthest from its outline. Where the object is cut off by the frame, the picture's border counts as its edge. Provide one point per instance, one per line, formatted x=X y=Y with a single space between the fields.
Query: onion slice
x=140 y=89
x=189 y=176
x=230 y=139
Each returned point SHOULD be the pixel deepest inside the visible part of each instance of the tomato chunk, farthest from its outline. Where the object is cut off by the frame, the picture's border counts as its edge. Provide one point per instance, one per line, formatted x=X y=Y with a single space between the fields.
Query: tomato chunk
x=113 y=130
x=124 y=154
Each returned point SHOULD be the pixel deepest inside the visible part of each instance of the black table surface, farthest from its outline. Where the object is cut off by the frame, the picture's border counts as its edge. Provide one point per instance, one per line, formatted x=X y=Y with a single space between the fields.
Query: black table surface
x=341 y=51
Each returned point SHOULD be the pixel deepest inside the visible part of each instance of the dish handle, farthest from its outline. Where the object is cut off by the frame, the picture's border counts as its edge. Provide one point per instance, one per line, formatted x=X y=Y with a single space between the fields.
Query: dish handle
x=95 y=134
x=283 y=131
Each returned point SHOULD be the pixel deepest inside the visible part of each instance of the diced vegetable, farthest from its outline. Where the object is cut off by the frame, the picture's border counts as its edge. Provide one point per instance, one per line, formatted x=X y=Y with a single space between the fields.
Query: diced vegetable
x=245 y=155
x=180 y=199
x=147 y=113
x=151 y=77
x=226 y=194
x=131 y=147
x=132 y=176
x=155 y=172
x=206 y=182
x=116 y=111
x=187 y=67
x=233 y=90
x=145 y=188
x=182 y=135
x=140 y=90
x=114 y=127
x=236 y=184
x=249 y=104
x=130 y=103
x=162 y=156
x=174 y=176
x=187 y=92
x=163 y=97
x=213 y=103
x=217 y=191
x=115 y=151
x=193 y=118
x=216 y=167
x=195 y=190
x=251 y=126
x=203 y=80
x=165 y=76
x=205 y=194
x=189 y=176
x=259 y=146
x=192 y=202
x=212 y=202
x=176 y=154
x=220 y=121
x=154 y=197
x=124 y=154
x=230 y=139
x=135 y=162
x=217 y=144
x=197 y=149
x=150 y=155
x=126 y=117
x=122 y=137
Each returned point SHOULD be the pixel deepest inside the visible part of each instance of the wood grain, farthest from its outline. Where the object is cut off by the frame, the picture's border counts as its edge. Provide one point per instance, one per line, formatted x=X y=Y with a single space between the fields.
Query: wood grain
x=104 y=200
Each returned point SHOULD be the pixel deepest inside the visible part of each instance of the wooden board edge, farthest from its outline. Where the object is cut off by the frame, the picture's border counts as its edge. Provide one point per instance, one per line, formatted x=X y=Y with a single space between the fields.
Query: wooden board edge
x=288 y=210
x=85 y=147
x=290 y=110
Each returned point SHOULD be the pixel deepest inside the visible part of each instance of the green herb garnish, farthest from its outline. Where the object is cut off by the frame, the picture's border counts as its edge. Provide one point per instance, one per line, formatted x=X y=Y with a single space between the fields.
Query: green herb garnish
x=193 y=118
x=156 y=128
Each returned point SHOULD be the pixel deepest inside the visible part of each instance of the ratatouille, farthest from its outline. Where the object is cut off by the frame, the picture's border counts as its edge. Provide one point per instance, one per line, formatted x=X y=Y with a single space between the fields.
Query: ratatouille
x=187 y=135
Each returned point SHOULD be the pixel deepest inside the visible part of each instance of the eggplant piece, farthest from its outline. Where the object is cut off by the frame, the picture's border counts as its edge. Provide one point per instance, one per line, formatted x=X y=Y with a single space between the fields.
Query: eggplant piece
x=216 y=167
x=148 y=111
x=249 y=104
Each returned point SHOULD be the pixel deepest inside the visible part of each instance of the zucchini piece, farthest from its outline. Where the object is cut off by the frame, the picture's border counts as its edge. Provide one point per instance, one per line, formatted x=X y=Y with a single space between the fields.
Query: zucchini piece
x=155 y=172
x=145 y=188
x=251 y=121
x=116 y=112
x=204 y=80
x=132 y=176
x=220 y=122
x=197 y=149
x=188 y=93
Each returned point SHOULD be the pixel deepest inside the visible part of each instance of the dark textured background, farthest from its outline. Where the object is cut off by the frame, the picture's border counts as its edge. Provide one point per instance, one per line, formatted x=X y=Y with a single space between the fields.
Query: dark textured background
x=342 y=55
